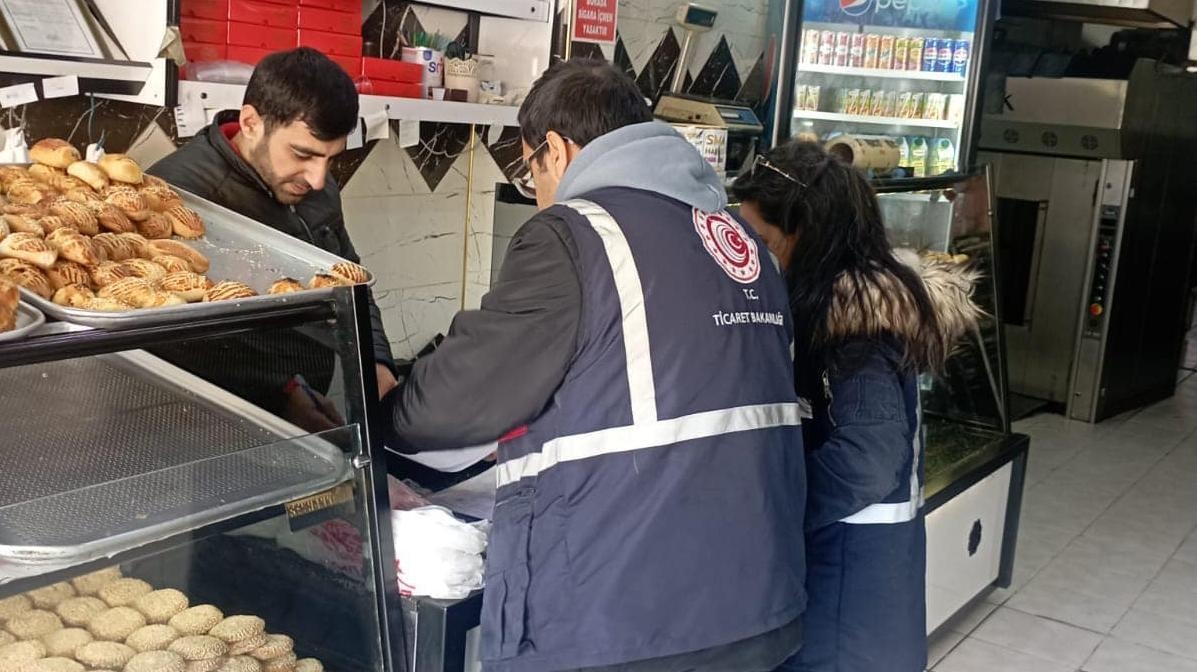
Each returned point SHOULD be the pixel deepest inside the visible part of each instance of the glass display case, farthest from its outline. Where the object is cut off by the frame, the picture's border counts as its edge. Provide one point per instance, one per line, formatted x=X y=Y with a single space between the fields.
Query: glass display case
x=131 y=488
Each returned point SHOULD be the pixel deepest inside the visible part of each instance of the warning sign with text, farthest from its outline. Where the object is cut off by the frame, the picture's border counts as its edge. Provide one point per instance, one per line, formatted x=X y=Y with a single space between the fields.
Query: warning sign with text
x=594 y=21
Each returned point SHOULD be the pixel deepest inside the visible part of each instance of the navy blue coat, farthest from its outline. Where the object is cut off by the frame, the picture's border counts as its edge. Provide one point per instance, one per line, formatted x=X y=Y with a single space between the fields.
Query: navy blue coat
x=865 y=535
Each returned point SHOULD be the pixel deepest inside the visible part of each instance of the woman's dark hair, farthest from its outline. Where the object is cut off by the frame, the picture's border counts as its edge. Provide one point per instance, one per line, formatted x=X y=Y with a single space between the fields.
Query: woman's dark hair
x=582 y=99
x=841 y=255
x=304 y=85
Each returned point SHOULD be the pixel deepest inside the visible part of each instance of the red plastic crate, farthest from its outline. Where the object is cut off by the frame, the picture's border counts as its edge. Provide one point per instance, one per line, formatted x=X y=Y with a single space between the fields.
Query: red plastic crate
x=248 y=55
x=389 y=70
x=379 y=87
x=198 y=52
x=261 y=37
x=264 y=13
x=205 y=9
x=339 y=5
x=205 y=31
x=328 y=20
x=331 y=43
x=350 y=64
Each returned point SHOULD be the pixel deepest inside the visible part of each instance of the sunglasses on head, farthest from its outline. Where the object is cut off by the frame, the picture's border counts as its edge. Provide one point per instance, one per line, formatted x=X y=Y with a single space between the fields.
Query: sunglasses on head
x=761 y=162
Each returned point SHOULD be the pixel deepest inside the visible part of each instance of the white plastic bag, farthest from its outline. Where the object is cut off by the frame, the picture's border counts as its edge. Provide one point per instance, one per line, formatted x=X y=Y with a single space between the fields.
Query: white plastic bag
x=437 y=555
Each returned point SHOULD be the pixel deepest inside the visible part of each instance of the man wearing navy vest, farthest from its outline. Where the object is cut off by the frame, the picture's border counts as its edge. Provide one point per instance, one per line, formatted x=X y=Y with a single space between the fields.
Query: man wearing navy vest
x=635 y=356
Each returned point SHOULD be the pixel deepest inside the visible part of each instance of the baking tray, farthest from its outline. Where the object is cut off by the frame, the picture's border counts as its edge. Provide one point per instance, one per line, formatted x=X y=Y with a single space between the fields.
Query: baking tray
x=104 y=454
x=28 y=319
x=238 y=248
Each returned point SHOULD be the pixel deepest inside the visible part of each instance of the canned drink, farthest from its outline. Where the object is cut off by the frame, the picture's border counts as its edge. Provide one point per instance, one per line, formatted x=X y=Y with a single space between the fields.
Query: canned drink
x=917 y=104
x=930 y=54
x=914 y=54
x=856 y=51
x=960 y=54
x=904 y=105
x=826 y=47
x=891 y=104
x=843 y=44
x=901 y=48
x=944 y=62
x=810 y=47
x=885 y=57
x=864 y=103
x=878 y=104
x=800 y=97
x=872 y=49
x=813 y=93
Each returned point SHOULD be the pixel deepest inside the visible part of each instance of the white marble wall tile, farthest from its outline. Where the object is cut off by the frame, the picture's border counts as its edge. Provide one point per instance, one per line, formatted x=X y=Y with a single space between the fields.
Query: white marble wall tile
x=520 y=50
x=480 y=241
x=450 y=23
x=643 y=24
x=151 y=146
x=387 y=170
x=415 y=315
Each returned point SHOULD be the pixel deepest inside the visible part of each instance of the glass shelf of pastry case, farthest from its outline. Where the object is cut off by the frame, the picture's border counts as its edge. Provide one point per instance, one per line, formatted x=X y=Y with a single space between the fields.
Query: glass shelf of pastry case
x=119 y=451
x=876 y=121
x=950 y=77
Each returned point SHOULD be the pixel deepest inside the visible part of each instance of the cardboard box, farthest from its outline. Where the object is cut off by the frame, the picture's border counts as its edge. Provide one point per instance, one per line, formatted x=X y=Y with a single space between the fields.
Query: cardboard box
x=710 y=141
x=331 y=43
x=261 y=37
x=198 y=52
x=332 y=21
x=205 y=9
x=338 y=5
x=378 y=87
x=205 y=31
x=248 y=55
x=264 y=13
x=390 y=70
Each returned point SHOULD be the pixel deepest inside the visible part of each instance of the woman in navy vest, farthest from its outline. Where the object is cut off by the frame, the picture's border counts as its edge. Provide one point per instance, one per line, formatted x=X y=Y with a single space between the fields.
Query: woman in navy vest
x=868 y=321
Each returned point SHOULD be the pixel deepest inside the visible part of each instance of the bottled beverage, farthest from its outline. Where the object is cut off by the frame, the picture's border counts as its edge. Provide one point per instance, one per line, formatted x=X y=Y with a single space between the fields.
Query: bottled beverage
x=843 y=44
x=856 y=51
x=872 y=50
x=885 y=57
x=918 y=156
x=826 y=47
x=944 y=157
x=903 y=152
x=914 y=56
x=810 y=47
x=901 y=49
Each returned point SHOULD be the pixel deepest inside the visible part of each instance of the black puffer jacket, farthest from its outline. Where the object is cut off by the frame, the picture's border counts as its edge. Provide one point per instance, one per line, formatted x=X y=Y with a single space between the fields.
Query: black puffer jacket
x=255 y=367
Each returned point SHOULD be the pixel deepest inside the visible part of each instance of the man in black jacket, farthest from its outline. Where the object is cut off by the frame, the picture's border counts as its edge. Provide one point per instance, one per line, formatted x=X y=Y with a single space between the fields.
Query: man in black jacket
x=269 y=161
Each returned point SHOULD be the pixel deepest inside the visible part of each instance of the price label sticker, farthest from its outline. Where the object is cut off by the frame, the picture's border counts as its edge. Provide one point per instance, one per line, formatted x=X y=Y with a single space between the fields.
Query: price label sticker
x=354 y=141
x=19 y=94
x=190 y=119
x=94 y=153
x=378 y=125
x=409 y=133
x=60 y=87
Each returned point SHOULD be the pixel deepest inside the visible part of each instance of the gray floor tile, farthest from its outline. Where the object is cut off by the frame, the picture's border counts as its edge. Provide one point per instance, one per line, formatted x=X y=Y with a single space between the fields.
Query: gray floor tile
x=1158 y=632
x=1038 y=636
x=1115 y=655
x=973 y=655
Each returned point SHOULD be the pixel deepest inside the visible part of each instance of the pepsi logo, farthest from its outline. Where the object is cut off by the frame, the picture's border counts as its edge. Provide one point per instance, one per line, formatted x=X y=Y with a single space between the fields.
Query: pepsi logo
x=729 y=245
x=855 y=7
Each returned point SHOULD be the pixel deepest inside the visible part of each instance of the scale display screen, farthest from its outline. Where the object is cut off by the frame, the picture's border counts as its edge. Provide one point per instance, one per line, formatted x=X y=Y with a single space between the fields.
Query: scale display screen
x=699 y=17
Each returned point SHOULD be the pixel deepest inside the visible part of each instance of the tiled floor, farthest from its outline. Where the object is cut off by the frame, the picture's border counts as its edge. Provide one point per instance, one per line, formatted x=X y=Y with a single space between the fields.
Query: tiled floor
x=1106 y=573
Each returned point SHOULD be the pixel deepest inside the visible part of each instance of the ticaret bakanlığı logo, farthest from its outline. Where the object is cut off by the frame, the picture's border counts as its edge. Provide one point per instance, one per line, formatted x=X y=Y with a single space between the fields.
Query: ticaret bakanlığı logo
x=729 y=244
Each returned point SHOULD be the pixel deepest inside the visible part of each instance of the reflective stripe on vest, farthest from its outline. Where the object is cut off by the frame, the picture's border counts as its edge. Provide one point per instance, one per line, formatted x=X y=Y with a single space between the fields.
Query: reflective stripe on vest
x=646 y=430
x=898 y=512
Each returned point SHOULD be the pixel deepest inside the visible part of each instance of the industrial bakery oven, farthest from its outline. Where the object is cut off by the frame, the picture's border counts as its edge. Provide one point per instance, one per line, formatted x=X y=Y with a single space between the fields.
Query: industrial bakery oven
x=148 y=509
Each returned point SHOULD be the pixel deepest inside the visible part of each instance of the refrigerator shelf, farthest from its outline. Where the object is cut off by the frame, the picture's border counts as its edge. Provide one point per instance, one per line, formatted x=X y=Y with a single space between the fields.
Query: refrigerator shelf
x=879 y=121
x=950 y=77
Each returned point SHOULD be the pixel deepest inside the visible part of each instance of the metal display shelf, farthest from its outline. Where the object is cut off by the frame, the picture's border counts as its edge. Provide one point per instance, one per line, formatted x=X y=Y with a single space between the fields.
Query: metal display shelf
x=212 y=96
x=877 y=121
x=951 y=77
x=100 y=76
x=529 y=10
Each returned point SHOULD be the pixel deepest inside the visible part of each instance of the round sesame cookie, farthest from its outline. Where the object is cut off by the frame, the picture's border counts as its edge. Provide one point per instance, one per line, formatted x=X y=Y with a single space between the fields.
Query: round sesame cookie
x=240 y=664
x=236 y=628
x=33 y=624
x=56 y=664
x=78 y=611
x=152 y=638
x=244 y=646
x=90 y=584
x=156 y=661
x=104 y=654
x=309 y=665
x=275 y=646
x=284 y=663
x=122 y=592
x=63 y=643
x=14 y=606
x=48 y=597
x=199 y=647
x=160 y=605
x=6 y=638
x=209 y=665
x=196 y=620
x=21 y=652
x=116 y=624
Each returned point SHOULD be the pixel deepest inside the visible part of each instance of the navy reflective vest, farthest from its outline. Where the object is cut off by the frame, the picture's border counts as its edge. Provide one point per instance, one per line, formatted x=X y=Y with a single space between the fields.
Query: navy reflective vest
x=655 y=506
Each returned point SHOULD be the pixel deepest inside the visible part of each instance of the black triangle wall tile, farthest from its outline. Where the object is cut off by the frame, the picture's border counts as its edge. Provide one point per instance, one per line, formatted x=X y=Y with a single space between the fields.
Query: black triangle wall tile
x=654 y=79
x=384 y=29
x=507 y=150
x=755 y=89
x=621 y=59
x=718 y=77
x=587 y=50
x=346 y=163
x=440 y=146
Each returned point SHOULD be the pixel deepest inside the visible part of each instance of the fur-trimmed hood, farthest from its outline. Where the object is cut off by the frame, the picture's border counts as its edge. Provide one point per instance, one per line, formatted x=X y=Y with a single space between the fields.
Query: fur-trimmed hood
x=891 y=309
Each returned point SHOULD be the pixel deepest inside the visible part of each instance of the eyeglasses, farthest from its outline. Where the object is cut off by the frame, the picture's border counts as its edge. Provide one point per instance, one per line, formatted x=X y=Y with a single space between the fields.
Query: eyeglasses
x=521 y=170
x=761 y=162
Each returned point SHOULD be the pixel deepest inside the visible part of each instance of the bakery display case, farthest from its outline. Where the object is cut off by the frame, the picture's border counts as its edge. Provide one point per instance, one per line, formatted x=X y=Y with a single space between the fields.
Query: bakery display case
x=974 y=465
x=153 y=519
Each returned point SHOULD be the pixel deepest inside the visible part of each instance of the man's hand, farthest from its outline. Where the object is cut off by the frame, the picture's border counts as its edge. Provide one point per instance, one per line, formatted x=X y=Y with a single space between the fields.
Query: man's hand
x=386 y=380
x=311 y=410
